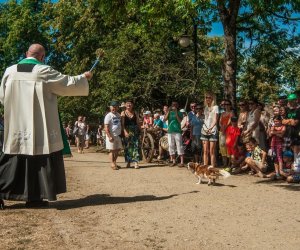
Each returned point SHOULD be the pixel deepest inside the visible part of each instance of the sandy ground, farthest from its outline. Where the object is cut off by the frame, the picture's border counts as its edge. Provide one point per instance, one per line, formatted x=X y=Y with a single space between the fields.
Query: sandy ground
x=155 y=207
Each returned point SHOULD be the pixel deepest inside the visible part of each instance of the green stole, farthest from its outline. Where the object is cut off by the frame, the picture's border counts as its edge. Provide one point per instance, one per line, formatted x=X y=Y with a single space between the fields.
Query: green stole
x=66 y=150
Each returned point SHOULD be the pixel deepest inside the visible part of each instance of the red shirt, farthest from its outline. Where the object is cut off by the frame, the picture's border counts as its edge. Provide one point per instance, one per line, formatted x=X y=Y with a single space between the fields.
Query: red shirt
x=232 y=134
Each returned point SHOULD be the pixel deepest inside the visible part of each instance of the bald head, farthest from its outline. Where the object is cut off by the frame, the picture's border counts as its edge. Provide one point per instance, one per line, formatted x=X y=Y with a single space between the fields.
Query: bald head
x=37 y=51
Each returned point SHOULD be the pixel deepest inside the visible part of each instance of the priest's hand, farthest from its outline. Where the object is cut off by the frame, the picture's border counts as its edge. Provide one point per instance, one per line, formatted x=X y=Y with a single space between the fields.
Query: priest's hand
x=88 y=75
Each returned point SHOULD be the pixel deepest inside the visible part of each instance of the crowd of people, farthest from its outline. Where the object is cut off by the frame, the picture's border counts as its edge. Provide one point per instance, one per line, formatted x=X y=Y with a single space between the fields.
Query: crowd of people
x=260 y=140
x=263 y=141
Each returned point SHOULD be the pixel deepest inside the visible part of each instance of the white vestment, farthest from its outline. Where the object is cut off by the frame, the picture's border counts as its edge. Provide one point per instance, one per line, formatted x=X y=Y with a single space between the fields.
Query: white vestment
x=31 y=123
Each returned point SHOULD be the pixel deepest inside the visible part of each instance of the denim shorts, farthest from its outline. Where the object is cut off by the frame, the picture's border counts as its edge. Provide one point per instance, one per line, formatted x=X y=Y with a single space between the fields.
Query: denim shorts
x=211 y=137
x=296 y=177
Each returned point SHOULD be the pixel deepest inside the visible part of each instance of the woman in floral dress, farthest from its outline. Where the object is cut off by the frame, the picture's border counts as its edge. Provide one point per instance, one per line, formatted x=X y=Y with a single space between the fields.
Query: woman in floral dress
x=131 y=128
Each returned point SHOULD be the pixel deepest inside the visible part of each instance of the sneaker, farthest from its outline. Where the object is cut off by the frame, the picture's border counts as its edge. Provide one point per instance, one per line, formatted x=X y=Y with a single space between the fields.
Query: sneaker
x=227 y=169
x=173 y=164
x=181 y=165
x=251 y=172
x=136 y=166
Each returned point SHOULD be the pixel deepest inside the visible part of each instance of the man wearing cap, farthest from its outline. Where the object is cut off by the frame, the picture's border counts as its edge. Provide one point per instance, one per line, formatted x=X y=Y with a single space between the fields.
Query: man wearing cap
x=32 y=167
x=113 y=129
x=292 y=117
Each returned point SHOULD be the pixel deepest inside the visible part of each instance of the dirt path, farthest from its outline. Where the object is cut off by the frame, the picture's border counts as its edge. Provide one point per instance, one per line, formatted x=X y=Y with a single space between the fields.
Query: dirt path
x=155 y=207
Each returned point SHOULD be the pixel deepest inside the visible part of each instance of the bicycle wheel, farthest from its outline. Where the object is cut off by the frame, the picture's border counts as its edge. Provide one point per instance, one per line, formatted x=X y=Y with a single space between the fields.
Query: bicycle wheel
x=148 y=147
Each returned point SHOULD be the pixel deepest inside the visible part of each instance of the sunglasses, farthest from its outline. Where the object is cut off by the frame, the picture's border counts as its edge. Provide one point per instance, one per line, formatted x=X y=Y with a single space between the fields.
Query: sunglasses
x=208 y=97
x=193 y=106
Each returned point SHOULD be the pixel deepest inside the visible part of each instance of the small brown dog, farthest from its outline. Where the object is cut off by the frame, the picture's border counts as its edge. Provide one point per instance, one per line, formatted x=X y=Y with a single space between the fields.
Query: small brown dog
x=207 y=172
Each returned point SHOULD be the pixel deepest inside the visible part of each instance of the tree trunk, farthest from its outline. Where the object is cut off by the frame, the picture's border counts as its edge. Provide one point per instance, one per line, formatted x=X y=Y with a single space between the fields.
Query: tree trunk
x=228 y=11
x=229 y=65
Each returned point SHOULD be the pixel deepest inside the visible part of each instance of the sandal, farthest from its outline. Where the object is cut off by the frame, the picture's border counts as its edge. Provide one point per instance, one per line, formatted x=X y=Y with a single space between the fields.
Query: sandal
x=114 y=167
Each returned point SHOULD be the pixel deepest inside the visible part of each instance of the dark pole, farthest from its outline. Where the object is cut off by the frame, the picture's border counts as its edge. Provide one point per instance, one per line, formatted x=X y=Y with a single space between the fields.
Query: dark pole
x=195 y=38
x=195 y=42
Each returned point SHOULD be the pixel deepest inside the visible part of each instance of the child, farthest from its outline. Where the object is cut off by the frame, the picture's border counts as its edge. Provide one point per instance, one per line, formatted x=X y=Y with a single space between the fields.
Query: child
x=238 y=159
x=196 y=127
x=295 y=171
x=285 y=171
x=276 y=133
x=257 y=160
x=147 y=120
x=232 y=133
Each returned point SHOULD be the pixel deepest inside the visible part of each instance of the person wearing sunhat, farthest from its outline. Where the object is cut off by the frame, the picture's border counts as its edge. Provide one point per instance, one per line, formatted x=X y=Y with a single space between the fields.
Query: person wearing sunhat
x=292 y=117
x=184 y=121
x=147 y=119
x=113 y=129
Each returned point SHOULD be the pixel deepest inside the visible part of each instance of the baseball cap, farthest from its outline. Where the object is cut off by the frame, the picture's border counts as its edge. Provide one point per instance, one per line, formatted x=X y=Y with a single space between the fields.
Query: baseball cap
x=292 y=97
x=114 y=103
x=234 y=119
x=288 y=154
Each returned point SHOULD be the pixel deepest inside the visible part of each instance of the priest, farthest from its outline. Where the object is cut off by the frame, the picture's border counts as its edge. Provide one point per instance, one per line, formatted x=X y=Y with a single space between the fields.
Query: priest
x=31 y=165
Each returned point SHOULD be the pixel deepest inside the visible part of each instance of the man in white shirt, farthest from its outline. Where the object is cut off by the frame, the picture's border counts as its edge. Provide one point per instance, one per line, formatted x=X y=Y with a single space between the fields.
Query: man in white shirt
x=113 y=127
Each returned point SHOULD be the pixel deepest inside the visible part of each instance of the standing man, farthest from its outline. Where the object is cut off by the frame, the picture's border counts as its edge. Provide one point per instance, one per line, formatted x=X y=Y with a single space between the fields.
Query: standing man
x=292 y=120
x=113 y=129
x=32 y=167
x=174 y=118
x=80 y=127
x=192 y=113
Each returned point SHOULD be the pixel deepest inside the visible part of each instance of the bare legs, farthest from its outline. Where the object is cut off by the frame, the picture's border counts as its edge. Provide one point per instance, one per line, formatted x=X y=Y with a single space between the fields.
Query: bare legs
x=209 y=153
x=113 y=155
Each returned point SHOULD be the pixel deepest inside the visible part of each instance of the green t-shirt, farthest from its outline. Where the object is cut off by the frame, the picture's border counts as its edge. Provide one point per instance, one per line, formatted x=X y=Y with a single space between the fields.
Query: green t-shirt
x=173 y=124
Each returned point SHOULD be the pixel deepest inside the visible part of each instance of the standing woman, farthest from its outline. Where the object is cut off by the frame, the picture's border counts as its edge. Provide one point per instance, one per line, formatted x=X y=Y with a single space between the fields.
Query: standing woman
x=252 y=124
x=130 y=125
x=209 y=132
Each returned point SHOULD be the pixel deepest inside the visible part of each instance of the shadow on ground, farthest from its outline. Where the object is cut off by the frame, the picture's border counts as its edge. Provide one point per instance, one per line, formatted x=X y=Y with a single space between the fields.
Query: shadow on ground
x=105 y=199
x=99 y=199
x=280 y=184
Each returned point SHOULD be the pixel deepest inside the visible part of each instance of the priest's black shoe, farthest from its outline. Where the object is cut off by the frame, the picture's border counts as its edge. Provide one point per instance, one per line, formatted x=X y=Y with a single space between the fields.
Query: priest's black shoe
x=1 y=204
x=36 y=204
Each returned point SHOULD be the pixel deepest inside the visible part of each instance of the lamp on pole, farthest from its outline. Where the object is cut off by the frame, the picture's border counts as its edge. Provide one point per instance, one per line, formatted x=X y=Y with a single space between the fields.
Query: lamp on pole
x=185 y=41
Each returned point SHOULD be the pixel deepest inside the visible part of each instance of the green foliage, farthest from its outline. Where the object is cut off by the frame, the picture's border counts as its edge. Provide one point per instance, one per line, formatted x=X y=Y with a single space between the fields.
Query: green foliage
x=143 y=60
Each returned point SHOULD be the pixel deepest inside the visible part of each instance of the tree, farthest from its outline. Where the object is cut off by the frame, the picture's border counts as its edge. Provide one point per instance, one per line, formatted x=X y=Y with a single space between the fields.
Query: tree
x=254 y=18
